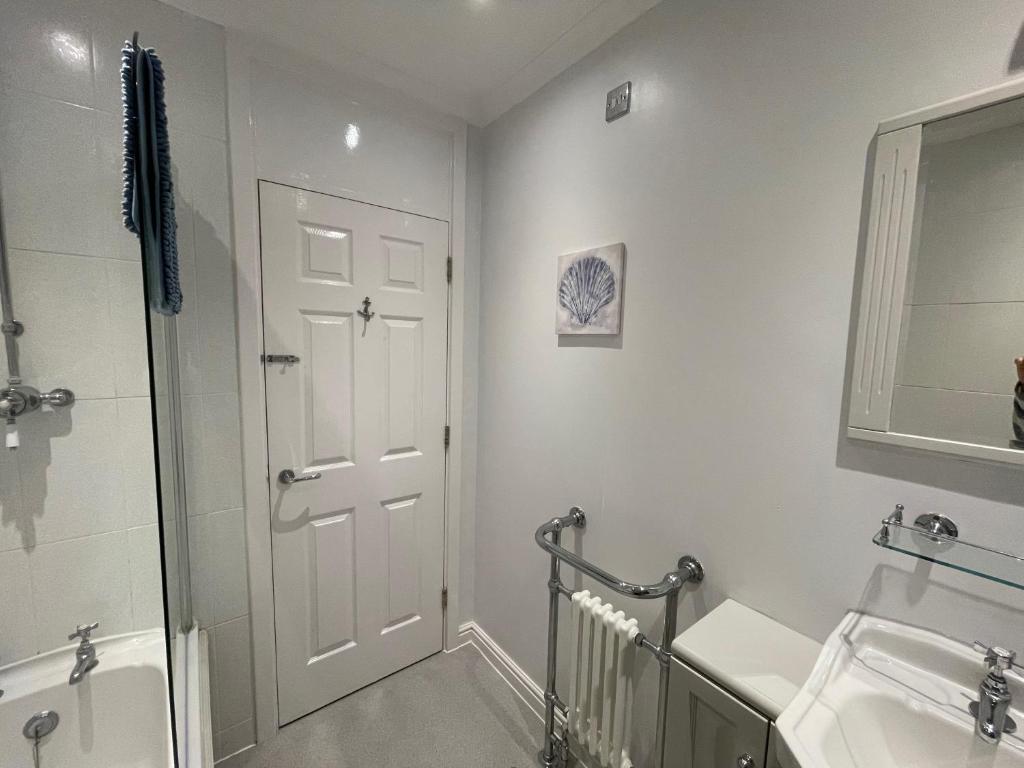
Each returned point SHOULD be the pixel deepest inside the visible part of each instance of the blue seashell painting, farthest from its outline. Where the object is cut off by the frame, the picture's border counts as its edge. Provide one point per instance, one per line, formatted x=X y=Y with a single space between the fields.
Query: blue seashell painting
x=590 y=291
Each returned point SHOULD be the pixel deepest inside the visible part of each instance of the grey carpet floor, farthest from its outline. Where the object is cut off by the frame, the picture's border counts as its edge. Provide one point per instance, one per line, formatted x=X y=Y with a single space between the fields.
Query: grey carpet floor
x=451 y=710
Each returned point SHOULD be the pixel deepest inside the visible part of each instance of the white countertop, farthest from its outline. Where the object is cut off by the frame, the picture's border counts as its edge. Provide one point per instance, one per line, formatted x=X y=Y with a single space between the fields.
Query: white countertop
x=754 y=656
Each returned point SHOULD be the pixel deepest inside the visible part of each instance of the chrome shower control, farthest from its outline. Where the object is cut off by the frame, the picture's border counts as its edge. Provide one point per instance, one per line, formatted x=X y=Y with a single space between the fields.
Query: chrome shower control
x=58 y=398
x=18 y=399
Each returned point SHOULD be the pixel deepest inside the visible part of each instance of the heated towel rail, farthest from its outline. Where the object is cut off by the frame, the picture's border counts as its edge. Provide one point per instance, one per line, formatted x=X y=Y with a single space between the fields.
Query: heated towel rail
x=688 y=569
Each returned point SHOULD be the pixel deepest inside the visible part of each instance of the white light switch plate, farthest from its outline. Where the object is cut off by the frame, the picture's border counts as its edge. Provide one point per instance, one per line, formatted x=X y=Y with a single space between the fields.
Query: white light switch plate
x=617 y=103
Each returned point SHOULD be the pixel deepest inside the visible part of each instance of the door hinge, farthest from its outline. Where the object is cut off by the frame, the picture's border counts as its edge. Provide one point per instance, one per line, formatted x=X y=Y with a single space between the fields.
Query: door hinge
x=444 y=599
x=449 y=269
x=447 y=436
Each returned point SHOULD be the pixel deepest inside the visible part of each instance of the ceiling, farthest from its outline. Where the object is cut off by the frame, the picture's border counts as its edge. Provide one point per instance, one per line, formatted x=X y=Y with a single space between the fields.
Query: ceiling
x=470 y=58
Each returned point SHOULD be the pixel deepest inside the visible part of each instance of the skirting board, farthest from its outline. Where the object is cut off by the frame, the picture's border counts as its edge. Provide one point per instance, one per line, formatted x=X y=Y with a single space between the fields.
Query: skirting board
x=471 y=633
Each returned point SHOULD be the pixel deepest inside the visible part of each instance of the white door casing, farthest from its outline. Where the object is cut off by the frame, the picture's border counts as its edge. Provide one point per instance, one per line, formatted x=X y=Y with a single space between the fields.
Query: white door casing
x=358 y=552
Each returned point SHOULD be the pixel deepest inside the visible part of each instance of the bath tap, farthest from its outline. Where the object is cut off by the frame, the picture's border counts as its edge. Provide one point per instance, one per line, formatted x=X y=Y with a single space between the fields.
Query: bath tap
x=991 y=710
x=85 y=655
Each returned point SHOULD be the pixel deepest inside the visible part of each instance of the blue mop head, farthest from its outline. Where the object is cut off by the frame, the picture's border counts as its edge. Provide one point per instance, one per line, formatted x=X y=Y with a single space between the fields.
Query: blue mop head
x=161 y=193
x=169 y=233
x=130 y=127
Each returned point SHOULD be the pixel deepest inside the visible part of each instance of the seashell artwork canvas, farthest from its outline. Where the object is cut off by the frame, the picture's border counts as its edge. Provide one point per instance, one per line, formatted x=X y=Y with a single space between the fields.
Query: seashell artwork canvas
x=589 y=291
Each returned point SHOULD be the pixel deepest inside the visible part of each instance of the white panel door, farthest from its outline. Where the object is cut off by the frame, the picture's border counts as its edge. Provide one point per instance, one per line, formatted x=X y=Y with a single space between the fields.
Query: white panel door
x=358 y=547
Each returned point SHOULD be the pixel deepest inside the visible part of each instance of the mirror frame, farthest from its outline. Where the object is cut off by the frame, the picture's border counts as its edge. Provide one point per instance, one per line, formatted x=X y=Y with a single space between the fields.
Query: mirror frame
x=885 y=273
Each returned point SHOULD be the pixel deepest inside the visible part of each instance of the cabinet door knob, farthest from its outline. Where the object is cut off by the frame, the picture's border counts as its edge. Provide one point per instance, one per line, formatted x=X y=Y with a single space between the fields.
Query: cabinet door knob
x=745 y=761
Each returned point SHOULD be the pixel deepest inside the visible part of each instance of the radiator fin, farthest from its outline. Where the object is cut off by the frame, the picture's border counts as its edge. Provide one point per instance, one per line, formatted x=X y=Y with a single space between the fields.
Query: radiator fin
x=601 y=695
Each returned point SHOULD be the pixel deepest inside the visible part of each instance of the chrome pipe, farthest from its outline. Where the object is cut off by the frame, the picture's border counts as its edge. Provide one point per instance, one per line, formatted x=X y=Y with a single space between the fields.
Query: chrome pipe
x=689 y=568
x=552 y=754
x=10 y=327
x=664 y=659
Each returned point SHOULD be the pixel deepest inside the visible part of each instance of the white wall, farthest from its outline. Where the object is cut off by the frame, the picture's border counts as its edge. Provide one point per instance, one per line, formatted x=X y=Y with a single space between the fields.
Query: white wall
x=471 y=371
x=78 y=529
x=302 y=131
x=714 y=424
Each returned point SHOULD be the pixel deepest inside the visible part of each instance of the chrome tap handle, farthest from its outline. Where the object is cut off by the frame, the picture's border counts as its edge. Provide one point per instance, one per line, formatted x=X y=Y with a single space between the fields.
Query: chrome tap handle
x=83 y=631
x=998 y=659
x=288 y=477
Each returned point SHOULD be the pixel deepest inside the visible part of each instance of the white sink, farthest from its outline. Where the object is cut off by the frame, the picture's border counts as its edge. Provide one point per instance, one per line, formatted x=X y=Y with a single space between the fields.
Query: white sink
x=887 y=695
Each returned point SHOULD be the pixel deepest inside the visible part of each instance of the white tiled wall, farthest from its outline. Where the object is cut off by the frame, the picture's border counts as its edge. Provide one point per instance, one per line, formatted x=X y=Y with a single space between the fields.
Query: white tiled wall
x=961 y=327
x=78 y=533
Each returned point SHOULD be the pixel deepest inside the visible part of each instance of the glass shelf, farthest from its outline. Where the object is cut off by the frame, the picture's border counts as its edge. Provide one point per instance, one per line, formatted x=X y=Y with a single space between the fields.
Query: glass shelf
x=950 y=551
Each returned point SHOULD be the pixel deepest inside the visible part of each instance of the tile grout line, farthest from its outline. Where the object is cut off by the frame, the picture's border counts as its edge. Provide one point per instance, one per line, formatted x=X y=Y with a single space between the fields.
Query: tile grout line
x=15 y=90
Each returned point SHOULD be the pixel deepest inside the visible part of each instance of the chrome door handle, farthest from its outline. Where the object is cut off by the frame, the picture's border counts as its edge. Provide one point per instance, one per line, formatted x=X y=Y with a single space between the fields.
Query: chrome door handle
x=288 y=477
x=745 y=761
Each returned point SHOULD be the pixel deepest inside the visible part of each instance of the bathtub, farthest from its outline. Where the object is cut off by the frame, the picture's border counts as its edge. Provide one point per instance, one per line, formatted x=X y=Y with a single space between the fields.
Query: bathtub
x=117 y=717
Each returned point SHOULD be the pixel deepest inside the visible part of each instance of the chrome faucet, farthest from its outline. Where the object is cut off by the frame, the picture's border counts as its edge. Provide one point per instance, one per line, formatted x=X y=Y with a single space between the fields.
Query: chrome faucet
x=991 y=710
x=85 y=654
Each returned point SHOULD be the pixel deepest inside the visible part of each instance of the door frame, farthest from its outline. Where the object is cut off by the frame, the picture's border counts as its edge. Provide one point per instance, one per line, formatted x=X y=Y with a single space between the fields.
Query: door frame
x=248 y=288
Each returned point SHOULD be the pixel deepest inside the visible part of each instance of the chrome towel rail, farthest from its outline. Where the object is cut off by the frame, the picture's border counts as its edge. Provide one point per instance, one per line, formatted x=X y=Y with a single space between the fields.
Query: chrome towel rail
x=689 y=569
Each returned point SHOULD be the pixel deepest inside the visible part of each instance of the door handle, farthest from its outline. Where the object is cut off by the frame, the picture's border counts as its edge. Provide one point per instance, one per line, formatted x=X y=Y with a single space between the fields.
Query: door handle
x=288 y=359
x=745 y=761
x=288 y=477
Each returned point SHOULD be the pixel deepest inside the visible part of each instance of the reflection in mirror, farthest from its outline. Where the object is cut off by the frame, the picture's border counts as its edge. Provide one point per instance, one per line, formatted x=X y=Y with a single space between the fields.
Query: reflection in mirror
x=963 y=314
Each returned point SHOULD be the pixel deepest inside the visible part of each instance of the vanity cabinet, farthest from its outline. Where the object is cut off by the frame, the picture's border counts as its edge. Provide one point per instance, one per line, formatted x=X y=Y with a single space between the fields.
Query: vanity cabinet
x=711 y=728
x=731 y=675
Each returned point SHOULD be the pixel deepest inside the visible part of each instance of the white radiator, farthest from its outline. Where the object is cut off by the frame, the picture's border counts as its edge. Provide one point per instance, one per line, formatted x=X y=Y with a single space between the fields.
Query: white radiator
x=601 y=696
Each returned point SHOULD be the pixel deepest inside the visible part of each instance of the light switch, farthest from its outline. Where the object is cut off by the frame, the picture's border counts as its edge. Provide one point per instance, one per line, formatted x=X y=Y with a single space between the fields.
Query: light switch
x=617 y=103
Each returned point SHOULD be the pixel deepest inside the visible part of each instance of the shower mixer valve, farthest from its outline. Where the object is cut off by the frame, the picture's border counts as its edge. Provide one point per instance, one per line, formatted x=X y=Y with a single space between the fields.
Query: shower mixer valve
x=19 y=399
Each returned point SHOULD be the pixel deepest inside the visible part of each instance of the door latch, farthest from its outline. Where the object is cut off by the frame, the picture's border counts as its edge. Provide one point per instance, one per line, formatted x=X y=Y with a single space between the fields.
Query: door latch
x=281 y=359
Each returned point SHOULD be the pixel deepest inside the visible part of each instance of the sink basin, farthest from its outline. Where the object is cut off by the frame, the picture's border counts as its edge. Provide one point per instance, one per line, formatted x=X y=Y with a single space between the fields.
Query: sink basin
x=887 y=695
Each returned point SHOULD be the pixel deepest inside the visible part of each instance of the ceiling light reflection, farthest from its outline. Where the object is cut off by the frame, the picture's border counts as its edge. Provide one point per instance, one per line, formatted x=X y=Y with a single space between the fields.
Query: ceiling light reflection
x=352 y=136
x=70 y=49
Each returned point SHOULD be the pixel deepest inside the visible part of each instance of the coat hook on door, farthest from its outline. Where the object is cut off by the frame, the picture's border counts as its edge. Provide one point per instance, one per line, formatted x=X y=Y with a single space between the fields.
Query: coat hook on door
x=365 y=312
